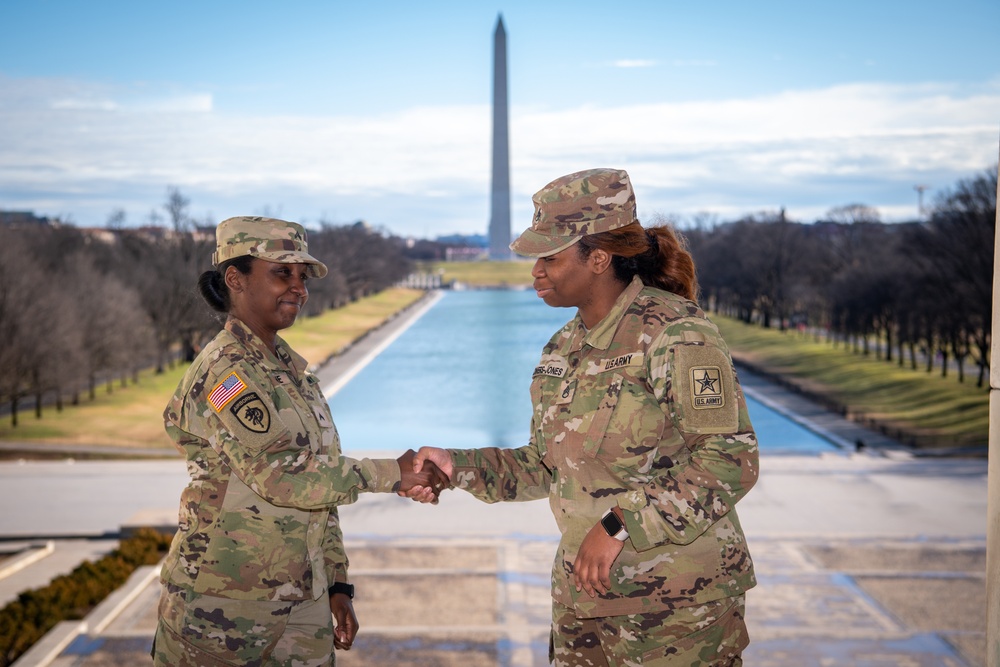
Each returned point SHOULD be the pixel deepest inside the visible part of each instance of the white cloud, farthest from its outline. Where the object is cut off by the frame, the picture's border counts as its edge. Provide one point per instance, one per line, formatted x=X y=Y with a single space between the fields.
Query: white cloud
x=83 y=104
x=426 y=169
x=70 y=95
x=634 y=63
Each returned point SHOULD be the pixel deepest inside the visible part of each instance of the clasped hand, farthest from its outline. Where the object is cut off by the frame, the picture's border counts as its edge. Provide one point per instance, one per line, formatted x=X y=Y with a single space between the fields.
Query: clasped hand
x=423 y=483
x=428 y=459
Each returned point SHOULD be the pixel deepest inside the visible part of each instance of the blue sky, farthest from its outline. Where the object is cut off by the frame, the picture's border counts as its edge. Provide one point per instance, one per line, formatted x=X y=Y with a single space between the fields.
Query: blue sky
x=337 y=111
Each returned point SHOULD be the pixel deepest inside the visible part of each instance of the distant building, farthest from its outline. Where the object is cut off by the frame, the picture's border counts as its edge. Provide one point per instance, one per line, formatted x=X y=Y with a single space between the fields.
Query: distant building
x=26 y=219
x=477 y=240
x=465 y=254
x=154 y=233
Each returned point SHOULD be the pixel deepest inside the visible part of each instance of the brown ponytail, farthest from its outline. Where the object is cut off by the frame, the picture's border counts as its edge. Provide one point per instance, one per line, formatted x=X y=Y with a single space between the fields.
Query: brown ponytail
x=658 y=255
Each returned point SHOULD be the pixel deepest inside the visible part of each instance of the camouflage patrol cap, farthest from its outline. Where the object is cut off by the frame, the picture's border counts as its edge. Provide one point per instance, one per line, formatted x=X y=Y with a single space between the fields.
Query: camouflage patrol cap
x=575 y=205
x=268 y=238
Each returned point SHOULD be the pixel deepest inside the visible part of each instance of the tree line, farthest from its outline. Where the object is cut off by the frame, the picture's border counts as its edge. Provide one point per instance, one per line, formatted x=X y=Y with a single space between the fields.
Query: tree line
x=81 y=309
x=917 y=294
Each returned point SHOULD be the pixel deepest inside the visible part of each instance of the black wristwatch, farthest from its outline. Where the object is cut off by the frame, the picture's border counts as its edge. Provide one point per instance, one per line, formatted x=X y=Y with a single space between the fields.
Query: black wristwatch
x=341 y=587
x=613 y=526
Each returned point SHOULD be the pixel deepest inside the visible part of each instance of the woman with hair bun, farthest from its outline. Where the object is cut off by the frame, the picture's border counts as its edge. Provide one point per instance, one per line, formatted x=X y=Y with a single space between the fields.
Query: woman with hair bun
x=257 y=572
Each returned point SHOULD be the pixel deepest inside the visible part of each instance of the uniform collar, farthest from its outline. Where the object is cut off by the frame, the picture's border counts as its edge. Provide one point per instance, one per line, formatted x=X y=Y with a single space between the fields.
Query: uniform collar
x=283 y=359
x=600 y=336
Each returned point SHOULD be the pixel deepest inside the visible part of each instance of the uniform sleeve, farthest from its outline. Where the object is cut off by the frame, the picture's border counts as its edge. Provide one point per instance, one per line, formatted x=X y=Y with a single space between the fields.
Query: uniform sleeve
x=237 y=416
x=334 y=554
x=694 y=381
x=492 y=474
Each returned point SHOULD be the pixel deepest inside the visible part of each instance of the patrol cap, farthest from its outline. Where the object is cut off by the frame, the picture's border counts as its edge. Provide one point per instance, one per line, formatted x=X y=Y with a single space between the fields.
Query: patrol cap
x=268 y=238
x=575 y=205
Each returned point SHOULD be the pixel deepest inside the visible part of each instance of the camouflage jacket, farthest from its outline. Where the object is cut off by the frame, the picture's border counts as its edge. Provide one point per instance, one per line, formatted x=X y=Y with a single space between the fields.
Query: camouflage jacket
x=258 y=520
x=644 y=411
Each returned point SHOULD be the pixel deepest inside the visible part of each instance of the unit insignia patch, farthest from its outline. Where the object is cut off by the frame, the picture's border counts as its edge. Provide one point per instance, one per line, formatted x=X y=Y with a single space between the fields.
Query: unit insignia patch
x=252 y=413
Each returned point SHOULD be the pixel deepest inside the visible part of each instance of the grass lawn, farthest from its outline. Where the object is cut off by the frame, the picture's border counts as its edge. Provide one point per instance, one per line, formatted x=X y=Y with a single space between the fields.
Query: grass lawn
x=132 y=416
x=319 y=338
x=478 y=274
x=929 y=410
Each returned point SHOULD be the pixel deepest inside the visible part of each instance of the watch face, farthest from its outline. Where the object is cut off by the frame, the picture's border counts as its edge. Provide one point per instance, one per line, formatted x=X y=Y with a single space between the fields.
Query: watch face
x=612 y=524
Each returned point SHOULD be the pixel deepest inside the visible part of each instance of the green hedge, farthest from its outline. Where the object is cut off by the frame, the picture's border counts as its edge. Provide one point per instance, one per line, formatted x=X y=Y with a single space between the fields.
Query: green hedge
x=71 y=597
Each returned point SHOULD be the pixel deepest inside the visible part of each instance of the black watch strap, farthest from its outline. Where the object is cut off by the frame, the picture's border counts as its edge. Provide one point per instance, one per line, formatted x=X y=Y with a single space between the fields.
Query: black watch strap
x=341 y=587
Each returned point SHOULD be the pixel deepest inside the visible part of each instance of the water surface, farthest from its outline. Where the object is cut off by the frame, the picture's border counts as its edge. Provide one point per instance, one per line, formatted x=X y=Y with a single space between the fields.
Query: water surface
x=459 y=377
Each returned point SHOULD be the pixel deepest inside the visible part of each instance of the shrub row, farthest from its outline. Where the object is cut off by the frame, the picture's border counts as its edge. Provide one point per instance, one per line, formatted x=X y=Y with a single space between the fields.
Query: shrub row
x=70 y=597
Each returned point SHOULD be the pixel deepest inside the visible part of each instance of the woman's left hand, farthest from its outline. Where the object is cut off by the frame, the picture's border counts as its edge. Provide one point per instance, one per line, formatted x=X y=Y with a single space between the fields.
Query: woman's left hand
x=592 y=567
x=345 y=621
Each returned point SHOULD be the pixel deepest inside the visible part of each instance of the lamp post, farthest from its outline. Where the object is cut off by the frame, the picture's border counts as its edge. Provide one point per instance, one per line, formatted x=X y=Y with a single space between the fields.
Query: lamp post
x=993 y=474
x=920 y=199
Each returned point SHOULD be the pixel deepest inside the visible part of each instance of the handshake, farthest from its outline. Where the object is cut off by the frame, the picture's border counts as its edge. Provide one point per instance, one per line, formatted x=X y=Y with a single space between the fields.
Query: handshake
x=425 y=474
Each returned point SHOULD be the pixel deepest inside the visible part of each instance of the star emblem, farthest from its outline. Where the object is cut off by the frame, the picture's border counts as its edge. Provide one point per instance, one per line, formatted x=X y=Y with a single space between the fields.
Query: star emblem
x=707 y=383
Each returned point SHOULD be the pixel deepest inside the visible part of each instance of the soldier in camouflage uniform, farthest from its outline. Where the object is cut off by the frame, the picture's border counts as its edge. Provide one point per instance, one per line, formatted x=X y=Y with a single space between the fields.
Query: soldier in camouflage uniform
x=257 y=572
x=640 y=439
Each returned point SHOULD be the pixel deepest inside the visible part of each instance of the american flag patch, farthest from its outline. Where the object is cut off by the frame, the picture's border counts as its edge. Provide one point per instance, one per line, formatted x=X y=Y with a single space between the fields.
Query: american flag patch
x=226 y=391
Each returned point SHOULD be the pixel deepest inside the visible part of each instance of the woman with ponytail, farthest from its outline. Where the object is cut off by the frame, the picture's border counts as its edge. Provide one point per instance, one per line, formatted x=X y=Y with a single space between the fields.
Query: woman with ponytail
x=640 y=439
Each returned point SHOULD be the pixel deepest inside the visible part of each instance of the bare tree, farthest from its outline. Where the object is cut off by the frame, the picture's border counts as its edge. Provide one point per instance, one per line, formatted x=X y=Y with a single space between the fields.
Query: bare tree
x=361 y=260
x=37 y=320
x=954 y=249
x=176 y=207
x=116 y=219
x=165 y=271
x=16 y=273
x=114 y=328
x=852 y=214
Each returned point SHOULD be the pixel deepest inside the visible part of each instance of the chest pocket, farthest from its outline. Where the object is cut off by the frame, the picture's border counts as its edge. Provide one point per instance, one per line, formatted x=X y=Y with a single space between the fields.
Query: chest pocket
x=294 y=410
x=551 y=398
x=315 y=398
x=602 y=416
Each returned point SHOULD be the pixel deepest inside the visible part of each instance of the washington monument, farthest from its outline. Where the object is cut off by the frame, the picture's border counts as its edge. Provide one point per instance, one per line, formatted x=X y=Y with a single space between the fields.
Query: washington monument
x=500 y=191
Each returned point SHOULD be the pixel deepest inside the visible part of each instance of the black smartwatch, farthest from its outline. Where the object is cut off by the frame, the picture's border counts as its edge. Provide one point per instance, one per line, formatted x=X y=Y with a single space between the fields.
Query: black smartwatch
x=613 y=526
x=341 y=587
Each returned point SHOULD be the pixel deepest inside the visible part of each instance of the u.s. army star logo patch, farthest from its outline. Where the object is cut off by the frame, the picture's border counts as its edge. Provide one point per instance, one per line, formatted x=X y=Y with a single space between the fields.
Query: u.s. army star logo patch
x=252 y=413
x=706 y=387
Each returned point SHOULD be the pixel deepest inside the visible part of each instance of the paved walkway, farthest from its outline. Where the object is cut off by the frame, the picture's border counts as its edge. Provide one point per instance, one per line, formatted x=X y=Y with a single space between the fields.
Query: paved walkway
x=873 y=559
x=467 y=584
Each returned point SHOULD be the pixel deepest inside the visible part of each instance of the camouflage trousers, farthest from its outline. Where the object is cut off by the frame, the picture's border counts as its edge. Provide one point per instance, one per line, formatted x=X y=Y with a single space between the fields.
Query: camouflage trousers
x=712 y=634
x=203 y=631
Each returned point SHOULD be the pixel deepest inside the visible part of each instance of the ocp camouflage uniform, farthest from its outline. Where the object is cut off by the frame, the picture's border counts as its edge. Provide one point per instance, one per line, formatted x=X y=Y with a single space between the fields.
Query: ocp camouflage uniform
x=644 y=411
x=259 y=536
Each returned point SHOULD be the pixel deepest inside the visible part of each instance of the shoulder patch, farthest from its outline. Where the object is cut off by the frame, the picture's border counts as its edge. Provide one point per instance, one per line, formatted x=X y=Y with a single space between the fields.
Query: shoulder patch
x=705 y=388
x=708 y=392
x=252 y=413
x=226 y=391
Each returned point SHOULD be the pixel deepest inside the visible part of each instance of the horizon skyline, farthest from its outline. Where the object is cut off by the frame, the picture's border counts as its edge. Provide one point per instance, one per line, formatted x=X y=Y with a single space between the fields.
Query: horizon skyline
x=338 y=112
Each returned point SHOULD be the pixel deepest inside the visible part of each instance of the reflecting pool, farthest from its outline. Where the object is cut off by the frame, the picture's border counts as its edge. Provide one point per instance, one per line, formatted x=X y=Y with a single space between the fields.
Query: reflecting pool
x=459 y=376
